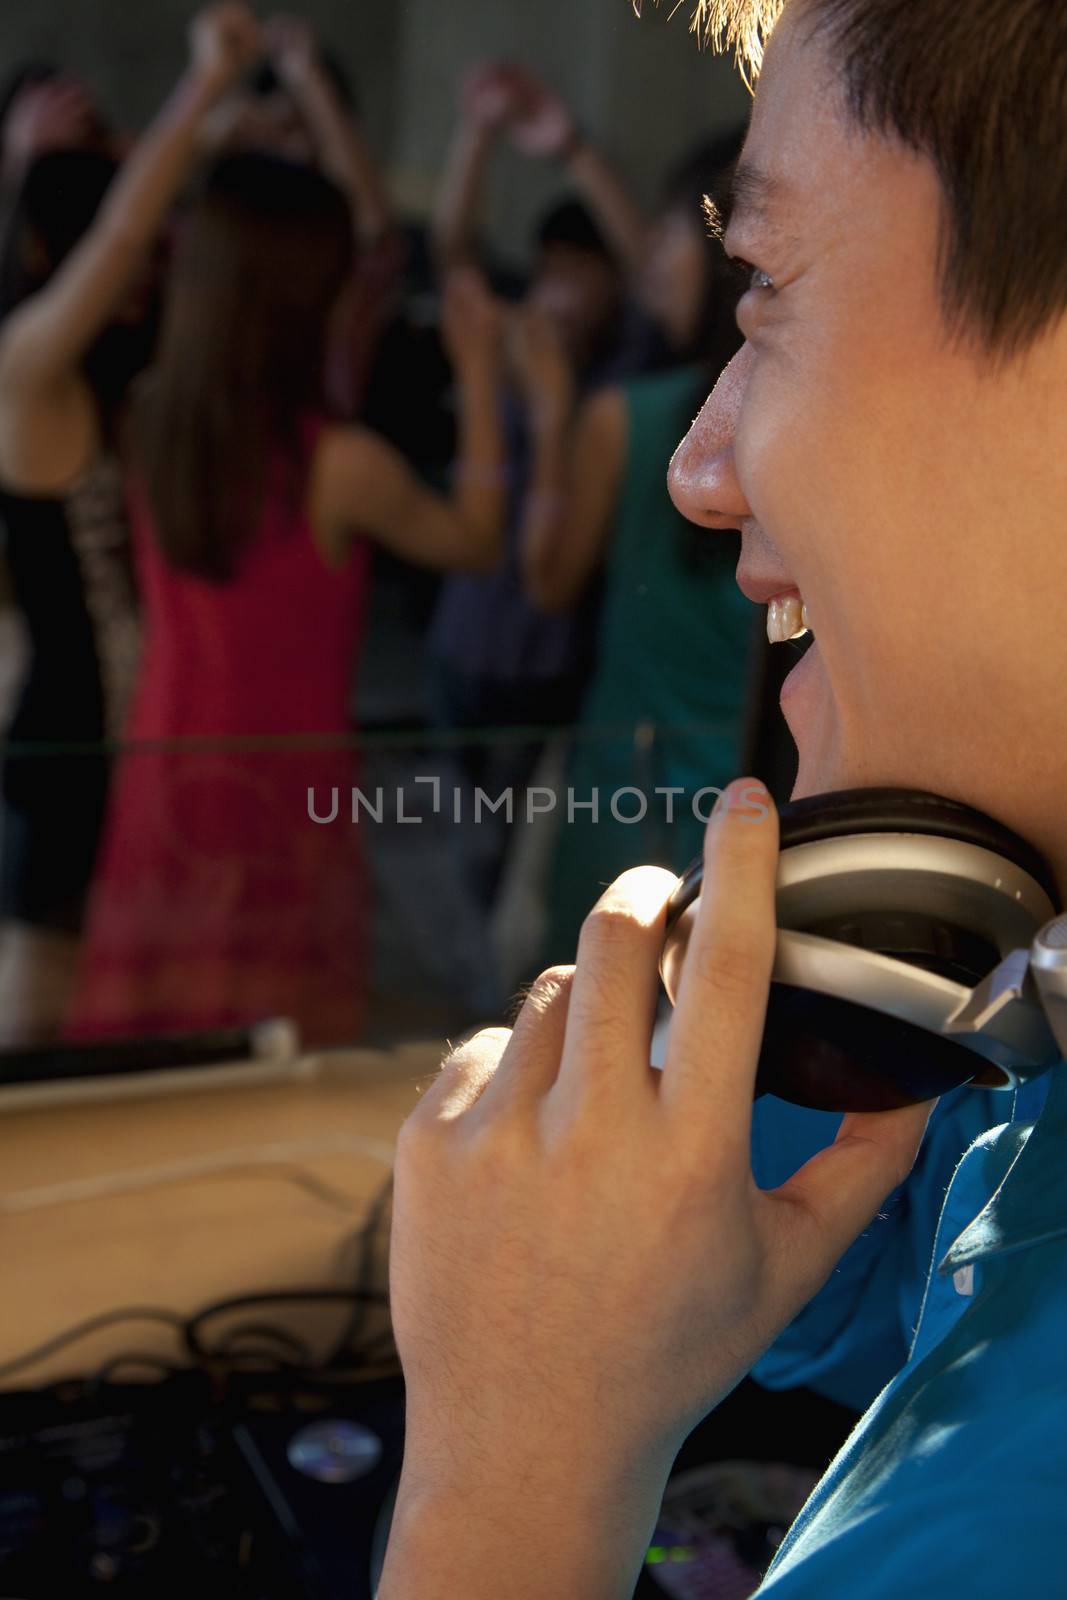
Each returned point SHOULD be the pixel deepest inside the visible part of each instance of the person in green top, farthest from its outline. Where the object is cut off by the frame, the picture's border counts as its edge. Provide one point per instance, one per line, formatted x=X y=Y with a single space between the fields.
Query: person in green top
x=666 y=707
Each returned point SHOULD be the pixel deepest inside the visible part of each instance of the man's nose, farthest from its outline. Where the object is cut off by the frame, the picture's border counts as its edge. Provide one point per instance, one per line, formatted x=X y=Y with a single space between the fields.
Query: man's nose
x=703 y=480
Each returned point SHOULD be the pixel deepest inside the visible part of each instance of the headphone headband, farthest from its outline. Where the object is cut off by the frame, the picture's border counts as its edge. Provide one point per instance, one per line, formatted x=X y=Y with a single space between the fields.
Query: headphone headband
x=857 y=811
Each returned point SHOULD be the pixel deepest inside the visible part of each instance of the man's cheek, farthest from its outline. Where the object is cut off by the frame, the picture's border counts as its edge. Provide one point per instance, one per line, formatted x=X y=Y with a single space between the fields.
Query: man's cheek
x=776 y=453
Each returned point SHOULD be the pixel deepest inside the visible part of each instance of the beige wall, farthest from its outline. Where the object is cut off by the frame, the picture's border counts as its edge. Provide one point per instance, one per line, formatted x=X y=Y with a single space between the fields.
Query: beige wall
x=643 y=88
x=133 y=49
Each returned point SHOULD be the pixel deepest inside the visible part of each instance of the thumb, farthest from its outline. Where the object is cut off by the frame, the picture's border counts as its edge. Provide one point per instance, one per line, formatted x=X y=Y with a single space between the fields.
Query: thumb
x=839 y=1191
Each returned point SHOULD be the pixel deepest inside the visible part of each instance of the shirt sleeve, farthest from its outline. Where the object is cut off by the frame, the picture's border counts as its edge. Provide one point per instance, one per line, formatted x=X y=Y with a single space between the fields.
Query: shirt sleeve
x=852 y=1338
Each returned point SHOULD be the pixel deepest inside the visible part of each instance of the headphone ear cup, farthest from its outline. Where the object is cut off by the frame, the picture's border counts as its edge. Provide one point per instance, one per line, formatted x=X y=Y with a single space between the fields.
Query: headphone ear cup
x=834 y=1055
x=882 y=876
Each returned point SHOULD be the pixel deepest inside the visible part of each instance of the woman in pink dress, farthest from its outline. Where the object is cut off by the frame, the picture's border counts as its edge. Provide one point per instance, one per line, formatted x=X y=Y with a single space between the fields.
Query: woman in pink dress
x=217 y=898
x=216 y=901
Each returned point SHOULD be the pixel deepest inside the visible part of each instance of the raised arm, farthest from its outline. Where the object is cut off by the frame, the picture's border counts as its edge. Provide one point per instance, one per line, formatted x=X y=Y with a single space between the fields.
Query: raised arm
x=544 y=126
x=579 y=457
x=487 y=100
x=364 y=486
x=342 y=145
x=45 y=341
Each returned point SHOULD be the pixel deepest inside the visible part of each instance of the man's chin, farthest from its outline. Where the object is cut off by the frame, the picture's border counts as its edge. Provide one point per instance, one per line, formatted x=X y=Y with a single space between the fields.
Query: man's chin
x=826 y=762
x=812 y=779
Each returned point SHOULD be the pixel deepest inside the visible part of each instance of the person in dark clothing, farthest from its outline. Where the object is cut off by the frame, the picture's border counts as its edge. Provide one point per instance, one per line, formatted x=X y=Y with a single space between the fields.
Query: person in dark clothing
x=70 y=574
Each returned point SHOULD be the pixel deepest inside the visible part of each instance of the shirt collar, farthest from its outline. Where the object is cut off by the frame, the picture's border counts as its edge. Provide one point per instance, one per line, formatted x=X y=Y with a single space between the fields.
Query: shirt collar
x=1029 y=1205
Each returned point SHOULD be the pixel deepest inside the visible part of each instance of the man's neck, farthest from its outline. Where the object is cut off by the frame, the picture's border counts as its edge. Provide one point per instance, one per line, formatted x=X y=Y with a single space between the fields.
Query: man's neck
x=1047 y=832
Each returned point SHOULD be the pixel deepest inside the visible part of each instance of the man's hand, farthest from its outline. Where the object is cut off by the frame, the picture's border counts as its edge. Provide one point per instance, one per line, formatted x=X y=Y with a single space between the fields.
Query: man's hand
x=582 y=1264
x=224 y=41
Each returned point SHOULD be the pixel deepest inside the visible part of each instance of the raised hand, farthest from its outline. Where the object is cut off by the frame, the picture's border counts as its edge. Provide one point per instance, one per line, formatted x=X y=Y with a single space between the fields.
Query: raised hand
x=56 y=115
x=491 y=94
x=542 y=123
x=293 y=49
x=224 y=41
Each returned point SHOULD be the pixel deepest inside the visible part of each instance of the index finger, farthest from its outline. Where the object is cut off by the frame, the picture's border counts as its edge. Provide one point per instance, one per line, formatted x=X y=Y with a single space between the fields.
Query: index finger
x=713 y=1051
x=615 y=985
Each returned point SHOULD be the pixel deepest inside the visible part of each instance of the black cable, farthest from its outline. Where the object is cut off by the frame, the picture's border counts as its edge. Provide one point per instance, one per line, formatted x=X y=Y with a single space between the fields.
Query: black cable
x=296 y=1347
x=198 y=1351
x=142 y=1359
x=366 y=1240
x=264 y=1360
x=190 y=1328
x=83 y=1330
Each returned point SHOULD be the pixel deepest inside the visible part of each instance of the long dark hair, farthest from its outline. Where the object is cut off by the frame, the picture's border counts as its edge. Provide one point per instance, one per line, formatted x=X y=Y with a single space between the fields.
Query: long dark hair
x=261 y=261
x=53 y=208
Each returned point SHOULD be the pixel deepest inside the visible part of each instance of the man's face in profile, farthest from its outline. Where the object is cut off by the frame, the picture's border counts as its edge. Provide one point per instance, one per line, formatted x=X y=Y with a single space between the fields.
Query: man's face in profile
x=908 y=485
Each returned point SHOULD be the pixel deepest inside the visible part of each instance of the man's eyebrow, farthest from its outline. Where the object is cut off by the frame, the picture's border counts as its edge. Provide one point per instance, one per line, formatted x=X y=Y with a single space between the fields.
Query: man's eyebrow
x=754 y=195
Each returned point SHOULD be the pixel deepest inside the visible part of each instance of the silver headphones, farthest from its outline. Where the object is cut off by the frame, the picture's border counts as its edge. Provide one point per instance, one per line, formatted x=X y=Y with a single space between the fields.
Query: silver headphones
x=918 y=950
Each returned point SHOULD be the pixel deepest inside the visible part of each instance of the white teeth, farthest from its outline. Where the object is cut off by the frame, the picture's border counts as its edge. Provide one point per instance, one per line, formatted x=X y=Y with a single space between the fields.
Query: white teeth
x=787 y=618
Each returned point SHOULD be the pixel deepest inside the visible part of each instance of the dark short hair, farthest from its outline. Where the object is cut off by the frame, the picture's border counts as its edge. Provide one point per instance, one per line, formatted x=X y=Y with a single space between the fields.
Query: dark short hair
x=56 y=203
x=264 y=252
x=980 y=88
x=570 y=222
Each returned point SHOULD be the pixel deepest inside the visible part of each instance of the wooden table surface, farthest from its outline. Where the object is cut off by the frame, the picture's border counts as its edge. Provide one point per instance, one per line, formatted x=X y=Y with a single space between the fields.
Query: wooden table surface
x=101 y=1205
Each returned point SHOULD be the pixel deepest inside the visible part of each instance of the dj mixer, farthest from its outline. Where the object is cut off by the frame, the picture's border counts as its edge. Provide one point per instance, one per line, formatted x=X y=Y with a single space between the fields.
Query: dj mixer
x=138 y=1490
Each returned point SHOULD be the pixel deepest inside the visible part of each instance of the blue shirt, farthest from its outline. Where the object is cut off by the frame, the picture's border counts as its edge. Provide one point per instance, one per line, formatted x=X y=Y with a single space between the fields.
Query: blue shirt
x=949 y=1316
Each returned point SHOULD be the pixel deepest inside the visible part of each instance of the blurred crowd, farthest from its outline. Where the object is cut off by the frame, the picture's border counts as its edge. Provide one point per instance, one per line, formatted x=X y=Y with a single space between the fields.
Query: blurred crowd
x=269 y=452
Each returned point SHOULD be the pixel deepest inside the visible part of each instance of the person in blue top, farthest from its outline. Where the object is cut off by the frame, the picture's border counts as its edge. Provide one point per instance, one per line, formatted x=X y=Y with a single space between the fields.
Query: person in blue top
x=585 y=1258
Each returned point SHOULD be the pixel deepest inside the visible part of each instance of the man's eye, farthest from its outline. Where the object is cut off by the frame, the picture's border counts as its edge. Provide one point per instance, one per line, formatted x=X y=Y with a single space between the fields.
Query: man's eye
x=746 y=277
